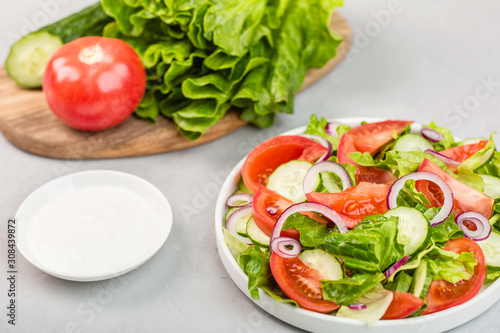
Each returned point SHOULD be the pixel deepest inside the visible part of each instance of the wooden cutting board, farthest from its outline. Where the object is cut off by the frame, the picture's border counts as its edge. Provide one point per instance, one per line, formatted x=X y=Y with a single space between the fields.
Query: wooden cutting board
x=27 y=122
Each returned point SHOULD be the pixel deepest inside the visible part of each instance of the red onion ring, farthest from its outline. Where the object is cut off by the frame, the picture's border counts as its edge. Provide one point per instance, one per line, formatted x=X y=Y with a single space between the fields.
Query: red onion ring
x=239 y=200
x=395 y=267
x=234 y=218
x=357 y=306
x=431 y=134
x=447 y=207
x=442 y=157
x=483 y=226
x=272 y=210
x=280 y=246
x=330 y=166
x=324 y=142
x=303 y=207
x=331 y=128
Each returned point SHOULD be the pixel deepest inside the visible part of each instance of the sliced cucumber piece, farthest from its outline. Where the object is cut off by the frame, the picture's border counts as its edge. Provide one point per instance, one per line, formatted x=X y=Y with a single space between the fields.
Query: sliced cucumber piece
x=29 y=56
x=288 y=178
x=472 y=140
x=256 y=235
x=421 y=280
x=486 y=157
x=491 y=186
x=413 y=228
x=412 y=142
x=327 y=264
x=491 y=250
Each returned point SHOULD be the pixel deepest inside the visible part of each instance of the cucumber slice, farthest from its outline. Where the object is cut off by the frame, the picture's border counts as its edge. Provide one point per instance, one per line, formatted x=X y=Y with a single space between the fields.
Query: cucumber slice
x=491 y=186
x=486 y=157
x=256 y=235
x=412 y=142
x=472 y=140
x=413 y=228
x=421 y=280
x=288 y=178
x=491 y=250
x=327 y=264
x=29 y=56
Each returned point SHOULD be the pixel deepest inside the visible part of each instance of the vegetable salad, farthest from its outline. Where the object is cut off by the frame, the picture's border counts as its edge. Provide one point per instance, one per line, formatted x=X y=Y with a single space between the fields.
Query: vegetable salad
x=380 y=221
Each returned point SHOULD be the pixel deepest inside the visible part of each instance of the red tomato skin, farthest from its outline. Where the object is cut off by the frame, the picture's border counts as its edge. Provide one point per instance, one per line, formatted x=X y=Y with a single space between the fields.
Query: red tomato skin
x=371 y=137
x=465 y=198
x=362 y=173
x=356 y=202
x=270 y=154
x=265 y=198
x=300 y=283
x=461 y=153
x=402 y=305
x=442 y=294
x=94 y=83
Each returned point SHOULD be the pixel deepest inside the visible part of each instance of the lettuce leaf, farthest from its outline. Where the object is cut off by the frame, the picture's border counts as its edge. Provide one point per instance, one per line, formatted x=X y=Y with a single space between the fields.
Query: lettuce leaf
x=370 y=247
x=347 y=290
x=451 y=266
x=255 y=264
x=318 y=127
x=205 y=57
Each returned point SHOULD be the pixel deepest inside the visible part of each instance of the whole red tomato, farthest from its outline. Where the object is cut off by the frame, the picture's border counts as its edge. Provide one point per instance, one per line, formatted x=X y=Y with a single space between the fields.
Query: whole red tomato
x=94 y=83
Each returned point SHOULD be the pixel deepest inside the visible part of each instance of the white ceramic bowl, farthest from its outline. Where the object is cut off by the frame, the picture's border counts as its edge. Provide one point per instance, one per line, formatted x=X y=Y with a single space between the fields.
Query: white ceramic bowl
x=316 y=322
x=112 y=222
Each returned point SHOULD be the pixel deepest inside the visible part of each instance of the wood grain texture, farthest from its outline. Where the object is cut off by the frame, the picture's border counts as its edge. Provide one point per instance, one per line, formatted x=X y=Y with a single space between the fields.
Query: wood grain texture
x=27 y=122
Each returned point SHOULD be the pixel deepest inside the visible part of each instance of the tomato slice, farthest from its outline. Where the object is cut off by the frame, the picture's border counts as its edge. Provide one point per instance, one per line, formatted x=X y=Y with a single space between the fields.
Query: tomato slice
x=265 y=198
x=270 y=154
x=300 y=283
x=402 y=305
x=369 y=138
x=461 y=153
x=372 y=137
x=465 y=198
x=356 y=202
x=443 y=294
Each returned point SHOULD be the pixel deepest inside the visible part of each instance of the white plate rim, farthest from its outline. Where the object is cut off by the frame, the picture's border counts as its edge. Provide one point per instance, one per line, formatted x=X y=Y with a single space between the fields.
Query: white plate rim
x=61 y=185
x=311 y=321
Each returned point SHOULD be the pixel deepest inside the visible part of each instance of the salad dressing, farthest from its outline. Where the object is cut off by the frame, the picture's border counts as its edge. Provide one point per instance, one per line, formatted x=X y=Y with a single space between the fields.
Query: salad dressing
x=90 y=229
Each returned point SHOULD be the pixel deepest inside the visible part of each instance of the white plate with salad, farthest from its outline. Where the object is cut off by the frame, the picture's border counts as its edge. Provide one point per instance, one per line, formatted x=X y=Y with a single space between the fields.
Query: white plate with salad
x=366 y=225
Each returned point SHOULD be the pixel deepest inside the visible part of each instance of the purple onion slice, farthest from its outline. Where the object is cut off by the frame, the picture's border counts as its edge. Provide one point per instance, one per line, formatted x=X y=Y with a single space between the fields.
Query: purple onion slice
x=239 y=200
x=286 y=247
x=302 y=207
x=447 y=207
x=331 y=128
x=234 y=218
x=396 y=266
x=330 y=166
x=357 y=306
x=443 y=158
x=483 y=226
x=431 y=134
x=272 y=210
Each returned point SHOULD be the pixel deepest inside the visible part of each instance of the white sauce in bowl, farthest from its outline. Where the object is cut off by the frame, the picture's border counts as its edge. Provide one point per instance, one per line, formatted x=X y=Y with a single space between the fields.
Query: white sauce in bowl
x=93 y=225
x=91 y=229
